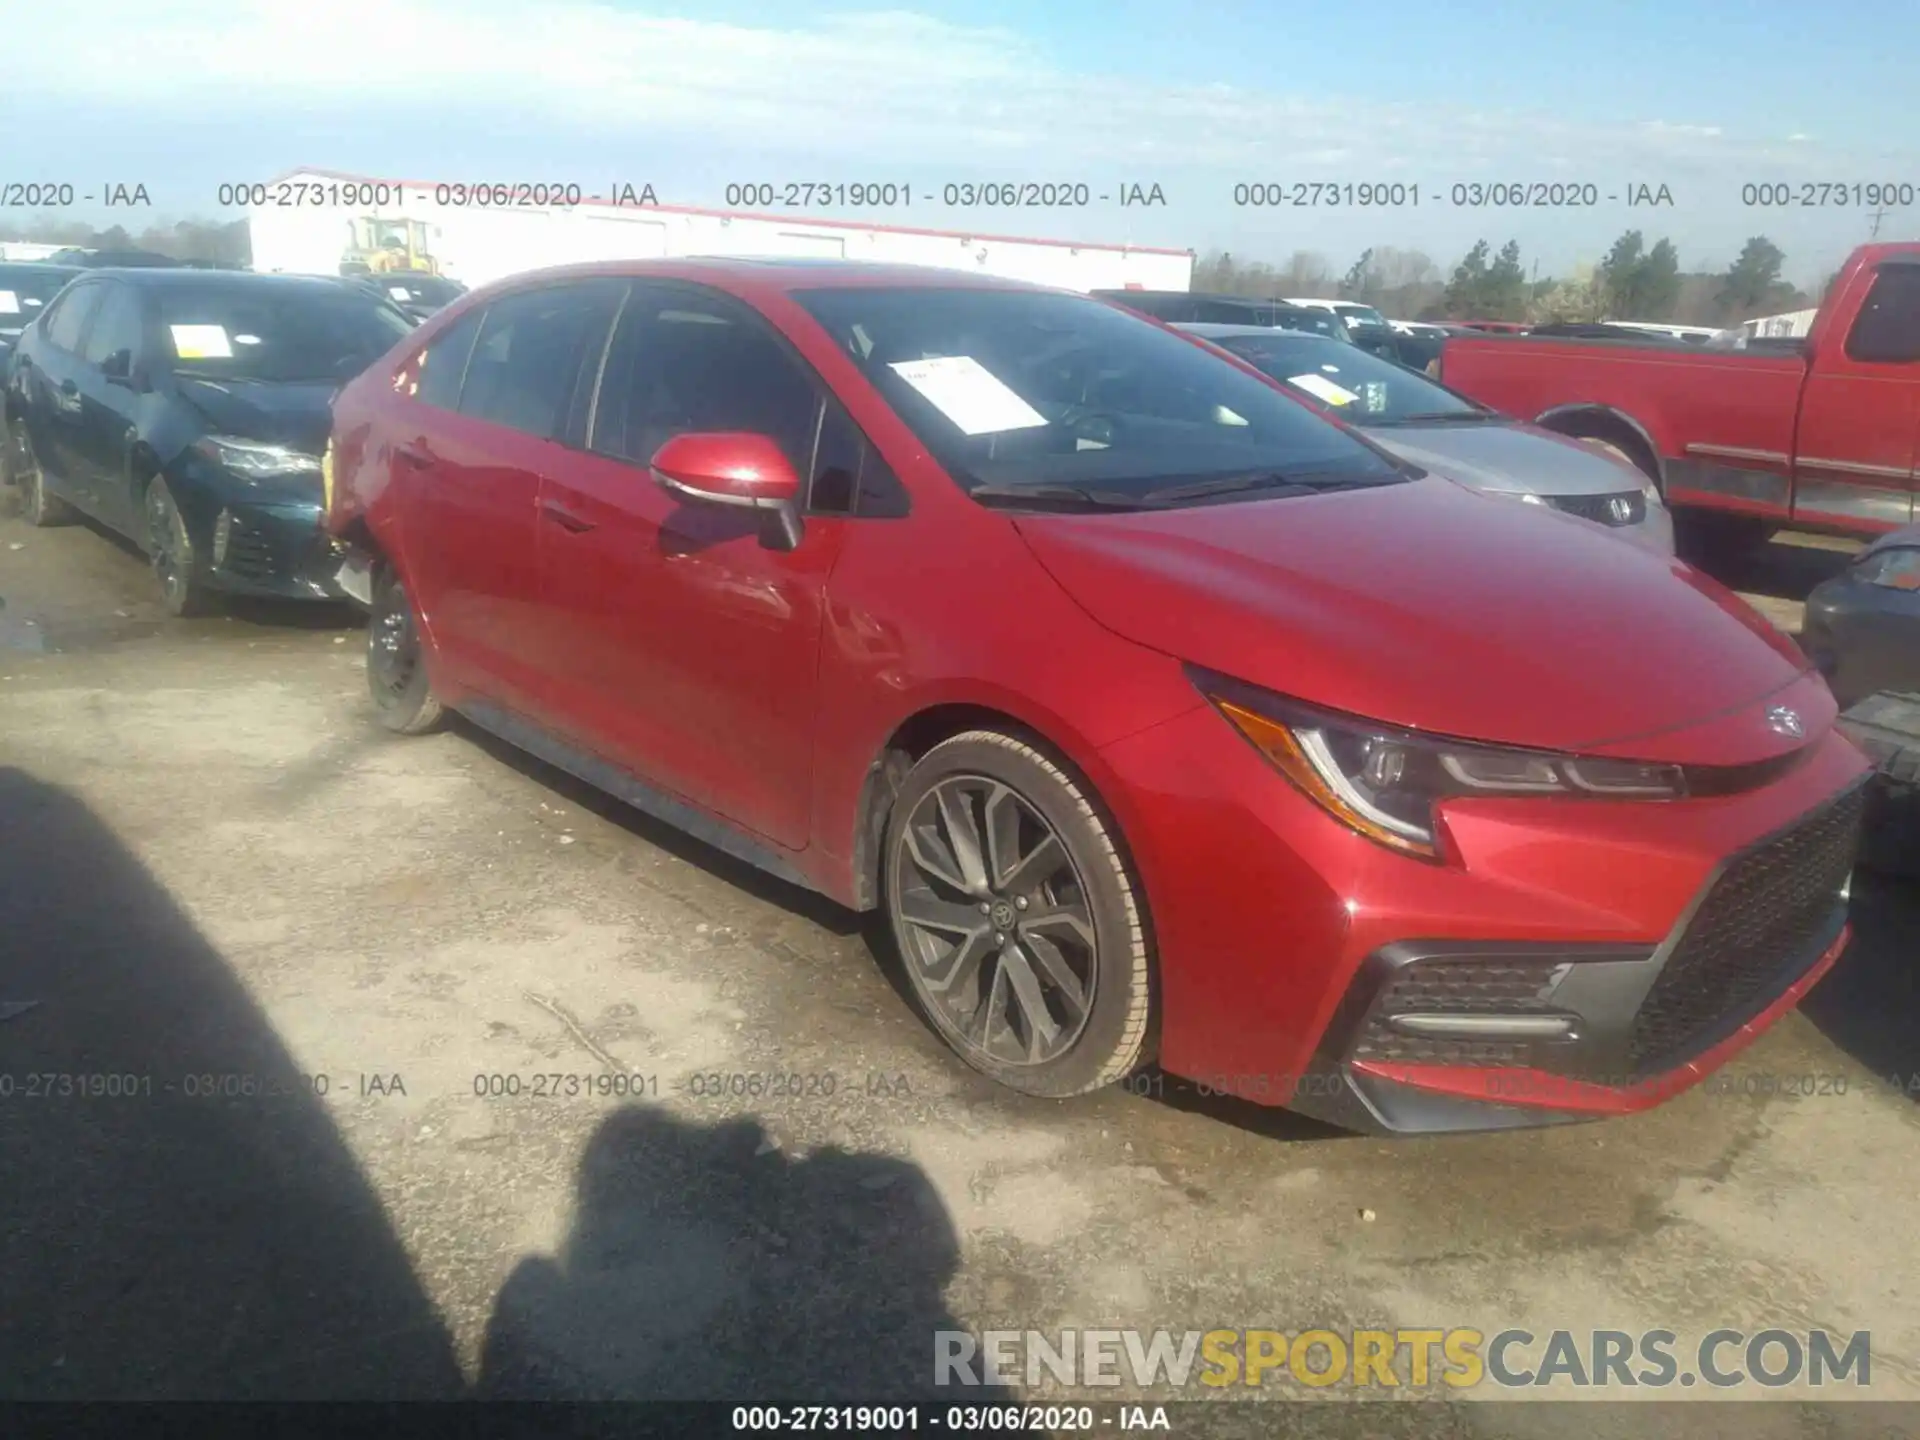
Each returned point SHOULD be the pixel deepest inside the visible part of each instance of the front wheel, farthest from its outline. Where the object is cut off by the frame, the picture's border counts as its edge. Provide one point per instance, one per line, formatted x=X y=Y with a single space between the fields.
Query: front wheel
x=171 y=553
x=397 y=663
x=1017 y=917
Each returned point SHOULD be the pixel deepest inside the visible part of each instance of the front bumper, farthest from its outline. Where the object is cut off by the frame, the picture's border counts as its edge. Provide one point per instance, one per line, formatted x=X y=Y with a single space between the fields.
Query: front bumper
x=1452 y=1035
x=1287 y=943
x=270 y=550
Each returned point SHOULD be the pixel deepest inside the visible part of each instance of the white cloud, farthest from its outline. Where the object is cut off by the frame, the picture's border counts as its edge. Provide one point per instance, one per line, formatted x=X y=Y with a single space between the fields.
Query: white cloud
x=890 y=87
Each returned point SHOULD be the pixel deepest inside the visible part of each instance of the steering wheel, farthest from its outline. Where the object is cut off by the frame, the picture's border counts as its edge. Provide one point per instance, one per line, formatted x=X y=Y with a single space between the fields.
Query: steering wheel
x=1088 y=422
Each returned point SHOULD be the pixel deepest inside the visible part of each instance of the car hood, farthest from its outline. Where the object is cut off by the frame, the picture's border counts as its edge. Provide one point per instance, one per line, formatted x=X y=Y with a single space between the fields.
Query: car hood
x=1514 y=458
x=297 y=414
x=1430 y=606
x=1893 y=540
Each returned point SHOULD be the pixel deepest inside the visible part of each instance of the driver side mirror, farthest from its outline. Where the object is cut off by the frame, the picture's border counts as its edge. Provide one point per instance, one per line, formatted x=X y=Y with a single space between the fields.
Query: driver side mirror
x=118 y=369
x=737 y=469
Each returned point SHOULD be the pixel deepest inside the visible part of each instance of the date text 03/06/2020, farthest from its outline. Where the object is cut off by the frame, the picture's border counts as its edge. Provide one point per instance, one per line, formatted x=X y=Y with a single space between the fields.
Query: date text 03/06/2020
x=1469 y=195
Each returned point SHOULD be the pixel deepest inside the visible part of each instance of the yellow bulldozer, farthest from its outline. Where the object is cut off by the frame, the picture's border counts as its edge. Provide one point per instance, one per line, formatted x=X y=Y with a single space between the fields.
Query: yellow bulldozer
x=384 y=247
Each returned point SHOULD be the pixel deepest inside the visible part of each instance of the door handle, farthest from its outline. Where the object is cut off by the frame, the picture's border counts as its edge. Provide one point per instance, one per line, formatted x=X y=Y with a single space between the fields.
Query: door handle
x=408 y=455
x=565 y=518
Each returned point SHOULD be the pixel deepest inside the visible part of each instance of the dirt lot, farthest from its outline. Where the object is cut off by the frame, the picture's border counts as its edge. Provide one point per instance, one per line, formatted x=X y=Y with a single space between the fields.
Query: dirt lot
x=221 y=880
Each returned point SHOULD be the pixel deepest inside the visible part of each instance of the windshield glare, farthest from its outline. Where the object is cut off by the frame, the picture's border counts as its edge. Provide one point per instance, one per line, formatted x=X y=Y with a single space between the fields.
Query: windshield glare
x=1016 y=388
x=1362 y=388
x=276 y=334
x=1363 y=315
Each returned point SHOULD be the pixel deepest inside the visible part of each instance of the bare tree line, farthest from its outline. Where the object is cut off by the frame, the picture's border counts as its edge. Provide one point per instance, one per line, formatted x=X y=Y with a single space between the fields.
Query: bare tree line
x=1634 y=282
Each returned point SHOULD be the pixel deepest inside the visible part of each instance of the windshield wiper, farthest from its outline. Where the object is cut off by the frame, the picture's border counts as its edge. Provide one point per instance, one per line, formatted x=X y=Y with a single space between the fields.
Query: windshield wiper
x=1071 y=496
x=1275 y=483
x=1444 y=417
x=1226 y=485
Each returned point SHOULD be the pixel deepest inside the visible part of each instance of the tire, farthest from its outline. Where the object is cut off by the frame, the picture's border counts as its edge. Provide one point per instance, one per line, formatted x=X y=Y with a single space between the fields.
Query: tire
x=1714 y=538
x=975 y=968
x=40 y=509
x=397 y=679
x=176 y=566
x=1616 y=452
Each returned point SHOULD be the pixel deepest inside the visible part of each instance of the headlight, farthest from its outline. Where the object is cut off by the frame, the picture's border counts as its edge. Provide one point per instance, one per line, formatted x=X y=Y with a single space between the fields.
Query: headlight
x=1388 y=784
x=255 y=460
x=1651 y=493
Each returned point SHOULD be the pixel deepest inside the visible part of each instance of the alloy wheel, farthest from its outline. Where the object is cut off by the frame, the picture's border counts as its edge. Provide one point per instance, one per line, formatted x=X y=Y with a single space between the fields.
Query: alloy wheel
x=393 y=649
x=168 y=547
x=997 y=926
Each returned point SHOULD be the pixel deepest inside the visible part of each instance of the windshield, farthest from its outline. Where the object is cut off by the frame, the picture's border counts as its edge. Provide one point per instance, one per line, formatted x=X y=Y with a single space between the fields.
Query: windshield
x=1365 y=389
x=1363 y=315
x=25 y=291
x=1315 y=322
x=1010 y=388
x=276 y=332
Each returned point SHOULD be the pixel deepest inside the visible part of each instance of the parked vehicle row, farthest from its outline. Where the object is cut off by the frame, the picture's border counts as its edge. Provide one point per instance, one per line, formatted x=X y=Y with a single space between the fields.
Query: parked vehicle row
x=1825 y=435
x=188 y=410
x=1162 y=715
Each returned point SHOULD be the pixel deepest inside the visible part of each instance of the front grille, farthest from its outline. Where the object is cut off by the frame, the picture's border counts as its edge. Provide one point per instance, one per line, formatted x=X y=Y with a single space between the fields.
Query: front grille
x=1457 y=987
x=1755 y=933
x=1627 y=508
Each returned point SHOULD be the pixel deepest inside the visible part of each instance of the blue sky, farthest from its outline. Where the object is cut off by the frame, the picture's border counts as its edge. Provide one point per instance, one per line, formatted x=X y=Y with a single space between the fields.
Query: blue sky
x=1699 y=96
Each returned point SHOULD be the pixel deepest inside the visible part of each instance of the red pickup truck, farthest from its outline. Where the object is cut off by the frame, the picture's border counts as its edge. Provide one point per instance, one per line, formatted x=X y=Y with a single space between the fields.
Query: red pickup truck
x=1823 y=436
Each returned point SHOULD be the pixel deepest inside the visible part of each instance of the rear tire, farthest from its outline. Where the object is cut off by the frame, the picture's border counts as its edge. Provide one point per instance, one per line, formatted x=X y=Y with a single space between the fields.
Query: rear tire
x=41 y=510
x=403 y=696
x=1017 y=917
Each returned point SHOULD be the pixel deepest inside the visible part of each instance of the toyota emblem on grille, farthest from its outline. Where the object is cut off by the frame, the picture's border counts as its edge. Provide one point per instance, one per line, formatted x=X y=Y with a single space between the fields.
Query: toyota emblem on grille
x=1783 y=721
x=1621 y=509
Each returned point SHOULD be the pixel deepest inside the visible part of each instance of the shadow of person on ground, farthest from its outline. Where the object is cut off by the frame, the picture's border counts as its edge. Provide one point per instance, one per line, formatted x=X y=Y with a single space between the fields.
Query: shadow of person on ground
x=703 y=1263
x=159 y=1242
x=1869 y=1003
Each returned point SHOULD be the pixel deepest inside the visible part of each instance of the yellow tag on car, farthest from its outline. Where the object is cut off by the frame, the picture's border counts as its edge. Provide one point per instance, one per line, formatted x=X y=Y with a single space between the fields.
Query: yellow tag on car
x=326 y=479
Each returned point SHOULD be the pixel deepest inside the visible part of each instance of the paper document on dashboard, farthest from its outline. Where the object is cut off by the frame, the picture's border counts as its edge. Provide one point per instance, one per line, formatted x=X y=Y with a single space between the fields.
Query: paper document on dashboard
x=969 y=394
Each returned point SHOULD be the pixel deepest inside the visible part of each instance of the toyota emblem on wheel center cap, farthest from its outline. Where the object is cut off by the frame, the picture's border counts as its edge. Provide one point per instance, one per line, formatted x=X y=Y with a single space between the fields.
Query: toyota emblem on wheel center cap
x=1783 y=721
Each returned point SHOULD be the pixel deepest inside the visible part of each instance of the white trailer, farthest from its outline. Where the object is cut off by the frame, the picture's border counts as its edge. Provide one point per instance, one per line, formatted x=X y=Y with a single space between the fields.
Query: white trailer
x=323 y=222
x=26 y=250
x=1795 y=324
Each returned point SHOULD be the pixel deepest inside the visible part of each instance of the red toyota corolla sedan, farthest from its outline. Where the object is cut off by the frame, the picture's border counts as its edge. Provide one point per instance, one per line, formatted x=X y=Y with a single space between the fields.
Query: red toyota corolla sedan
x=1165 y=718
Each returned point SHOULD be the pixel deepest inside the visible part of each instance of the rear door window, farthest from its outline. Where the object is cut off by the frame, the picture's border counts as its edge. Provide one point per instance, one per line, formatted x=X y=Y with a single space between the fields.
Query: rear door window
x=528 y=353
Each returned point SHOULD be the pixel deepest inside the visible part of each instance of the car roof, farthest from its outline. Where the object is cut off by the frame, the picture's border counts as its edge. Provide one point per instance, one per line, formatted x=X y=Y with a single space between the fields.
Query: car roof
x=749 y=275
x=1208 y=329
x=38 y=267
x=188 y=278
